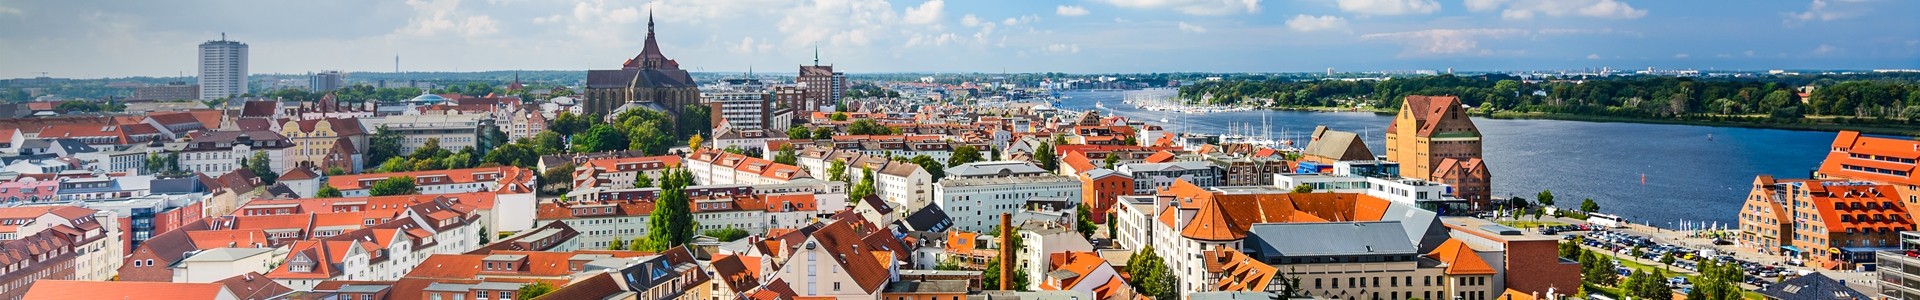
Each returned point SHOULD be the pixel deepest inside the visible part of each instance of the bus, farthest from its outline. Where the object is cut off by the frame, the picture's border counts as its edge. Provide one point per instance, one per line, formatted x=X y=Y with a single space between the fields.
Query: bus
x=1606 y=220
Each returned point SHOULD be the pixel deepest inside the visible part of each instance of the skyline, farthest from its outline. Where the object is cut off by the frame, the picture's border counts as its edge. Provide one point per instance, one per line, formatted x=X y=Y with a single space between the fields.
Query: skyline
x=91 y=40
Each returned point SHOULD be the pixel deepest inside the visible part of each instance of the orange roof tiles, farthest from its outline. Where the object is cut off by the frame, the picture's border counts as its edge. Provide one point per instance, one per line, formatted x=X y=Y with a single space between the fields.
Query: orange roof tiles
x=75 y=289
x=455 y=176
x=1460 y=259
x=1238 y=272
x=1160 y=157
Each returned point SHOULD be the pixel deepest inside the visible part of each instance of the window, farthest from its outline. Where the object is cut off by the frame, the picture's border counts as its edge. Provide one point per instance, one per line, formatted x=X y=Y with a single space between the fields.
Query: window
x=836 y=286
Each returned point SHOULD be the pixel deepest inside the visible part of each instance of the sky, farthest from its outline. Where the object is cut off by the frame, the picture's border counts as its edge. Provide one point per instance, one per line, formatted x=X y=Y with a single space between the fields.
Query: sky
x=117 y=38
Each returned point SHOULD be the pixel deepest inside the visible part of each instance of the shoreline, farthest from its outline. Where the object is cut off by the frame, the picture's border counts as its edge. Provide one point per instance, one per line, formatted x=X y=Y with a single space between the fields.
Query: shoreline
x=1868 y=129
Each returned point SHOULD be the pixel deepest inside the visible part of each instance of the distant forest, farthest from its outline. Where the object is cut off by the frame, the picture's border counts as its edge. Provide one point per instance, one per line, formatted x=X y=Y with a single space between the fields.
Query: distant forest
x=1877 y=97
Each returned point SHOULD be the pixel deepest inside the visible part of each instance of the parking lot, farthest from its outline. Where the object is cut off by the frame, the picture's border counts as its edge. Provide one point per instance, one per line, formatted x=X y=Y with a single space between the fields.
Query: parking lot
x=1761 y=269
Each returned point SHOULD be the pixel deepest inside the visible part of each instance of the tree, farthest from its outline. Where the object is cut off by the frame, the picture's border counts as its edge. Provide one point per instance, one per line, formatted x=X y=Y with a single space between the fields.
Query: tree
x=516 y=154
x=599 y=138
x=1044 y=155
x=963 y=155
x=430 y=150
x=1113 y=232
x=402 y=185
x=327 y=191
x=1085 y=223
x=1589 y=206
x=992 y=274
x=798 y=133
x=1517 y=202
x=935 y=170
x=394 y=164
x=837 y=171
x=534 y=290
x=1666 y=260
x=837 y=116
x=671 y=223
x=617 y=244
x=335 y=171
x=568 y=124
x=383 y=145
x=1151 y=276
x=823 y=133
x=787 y=155
x=642 y=181
x=1111 y=160
x=865 y=188
x=693 y=143
x=557 y=179
x=1545 y=197
x=262 y=167
x=728 y=234
x=1302 y=189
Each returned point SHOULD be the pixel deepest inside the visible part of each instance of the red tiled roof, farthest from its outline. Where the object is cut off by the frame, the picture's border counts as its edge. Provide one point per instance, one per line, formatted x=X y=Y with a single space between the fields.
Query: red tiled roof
x=1460 y=259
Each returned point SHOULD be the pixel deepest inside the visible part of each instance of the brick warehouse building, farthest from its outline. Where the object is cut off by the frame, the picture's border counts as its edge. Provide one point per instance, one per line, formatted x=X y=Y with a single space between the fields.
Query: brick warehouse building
x=1433 y=139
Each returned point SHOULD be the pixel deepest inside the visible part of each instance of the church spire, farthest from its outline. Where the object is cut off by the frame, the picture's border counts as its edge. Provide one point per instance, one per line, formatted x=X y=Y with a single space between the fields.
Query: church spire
x=816 y=54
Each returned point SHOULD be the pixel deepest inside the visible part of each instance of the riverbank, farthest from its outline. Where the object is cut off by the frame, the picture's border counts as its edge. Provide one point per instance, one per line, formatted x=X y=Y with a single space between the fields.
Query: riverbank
x=1870 y=129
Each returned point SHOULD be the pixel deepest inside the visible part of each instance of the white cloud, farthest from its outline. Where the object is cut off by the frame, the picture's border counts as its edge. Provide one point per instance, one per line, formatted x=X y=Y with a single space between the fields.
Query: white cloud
x=1070 y=10
x=748 y=45
x=438 y=17
x=926 y=13
x=1193 y=7
x=1825 y=10
x=1527 y=9
x=1192 y=28
x=1306 y=23
x=1682 y=56
x=1388 y=7
x=1593 y=56
x=1020 y=20
x=970 y=20
x=1061 y=48
x=1825 y=49
x=9 y=11
x=1442 y=41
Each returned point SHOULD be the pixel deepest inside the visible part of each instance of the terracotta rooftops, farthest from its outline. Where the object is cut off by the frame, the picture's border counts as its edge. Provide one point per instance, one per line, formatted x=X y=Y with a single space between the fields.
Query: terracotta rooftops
x=1460 y=259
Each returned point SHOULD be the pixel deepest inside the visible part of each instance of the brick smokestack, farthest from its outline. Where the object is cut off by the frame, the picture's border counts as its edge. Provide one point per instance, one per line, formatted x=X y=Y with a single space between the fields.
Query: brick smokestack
x=1006 y=252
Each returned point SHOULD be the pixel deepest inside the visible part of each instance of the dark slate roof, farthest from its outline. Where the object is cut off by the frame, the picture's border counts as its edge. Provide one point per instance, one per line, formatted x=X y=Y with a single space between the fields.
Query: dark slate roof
x=1811 y=286
x=1329 y=239
x=172 y=186
x=72 y=146
x=929 y=219
x=877 y=204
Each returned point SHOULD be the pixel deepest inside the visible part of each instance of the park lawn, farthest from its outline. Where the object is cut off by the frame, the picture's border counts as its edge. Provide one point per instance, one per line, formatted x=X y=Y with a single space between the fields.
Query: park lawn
x=1642 y=267
x=1530 y=223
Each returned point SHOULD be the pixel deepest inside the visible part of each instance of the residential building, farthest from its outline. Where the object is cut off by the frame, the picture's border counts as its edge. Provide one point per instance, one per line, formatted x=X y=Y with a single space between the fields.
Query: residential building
x=1880 y=160
x=606 y=216
x=317 y=142
x=823 y=87
x=326 y=81
x=830 y=263
x=903 y=184
x=743 y=110
x=1150 y=177
x=216 y=153
x=1084 y=272
x=1041 y=240
x=380 y=252
x=711 y=166
x=1246 y=171
x=1830 y=224
x=1434 y=139
x=621 y=172
x=975 y=194
x=212 y=265
x=46 y=255
x=1100 y=189
x=166 y=92
x=511 y=179
x=94 y=234
x=223 y=69
x=453 y=131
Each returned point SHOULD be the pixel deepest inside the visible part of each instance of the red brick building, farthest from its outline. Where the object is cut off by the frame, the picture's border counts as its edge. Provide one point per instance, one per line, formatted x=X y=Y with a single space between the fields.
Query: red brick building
x=1433 y=134
x=1100 y=188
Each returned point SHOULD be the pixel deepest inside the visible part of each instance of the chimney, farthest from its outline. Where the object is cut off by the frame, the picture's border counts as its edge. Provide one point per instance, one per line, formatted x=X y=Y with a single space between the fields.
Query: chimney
x=1006 y=251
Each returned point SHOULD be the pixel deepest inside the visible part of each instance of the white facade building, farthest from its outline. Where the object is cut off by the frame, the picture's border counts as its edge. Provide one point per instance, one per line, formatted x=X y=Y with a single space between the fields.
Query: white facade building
x=975 y=194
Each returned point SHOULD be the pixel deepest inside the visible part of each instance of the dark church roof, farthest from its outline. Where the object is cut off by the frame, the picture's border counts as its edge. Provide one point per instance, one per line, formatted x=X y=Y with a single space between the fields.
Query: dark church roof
x=640 y=78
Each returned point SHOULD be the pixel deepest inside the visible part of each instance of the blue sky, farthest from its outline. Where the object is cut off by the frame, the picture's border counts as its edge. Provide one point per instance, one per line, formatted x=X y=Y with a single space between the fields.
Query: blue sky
x=157 y=38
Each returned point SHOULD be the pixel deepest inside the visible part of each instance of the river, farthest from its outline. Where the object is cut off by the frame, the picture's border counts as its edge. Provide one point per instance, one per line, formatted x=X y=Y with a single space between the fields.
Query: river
x=1692 y=173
